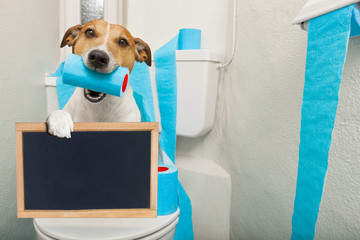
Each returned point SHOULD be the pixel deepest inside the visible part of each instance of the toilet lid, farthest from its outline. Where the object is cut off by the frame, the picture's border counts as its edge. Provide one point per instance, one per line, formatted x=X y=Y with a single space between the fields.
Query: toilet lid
x=103 y=228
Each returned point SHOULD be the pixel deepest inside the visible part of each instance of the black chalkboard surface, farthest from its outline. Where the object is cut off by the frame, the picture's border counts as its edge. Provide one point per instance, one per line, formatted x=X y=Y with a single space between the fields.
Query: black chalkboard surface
x=104 y=170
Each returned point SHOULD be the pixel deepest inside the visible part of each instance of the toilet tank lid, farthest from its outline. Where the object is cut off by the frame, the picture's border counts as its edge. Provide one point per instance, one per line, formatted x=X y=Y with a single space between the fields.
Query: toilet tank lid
x=201 y=55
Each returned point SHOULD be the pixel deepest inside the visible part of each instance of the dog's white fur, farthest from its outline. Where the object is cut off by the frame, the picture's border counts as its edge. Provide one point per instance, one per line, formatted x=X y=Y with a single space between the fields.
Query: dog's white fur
x=79 y=109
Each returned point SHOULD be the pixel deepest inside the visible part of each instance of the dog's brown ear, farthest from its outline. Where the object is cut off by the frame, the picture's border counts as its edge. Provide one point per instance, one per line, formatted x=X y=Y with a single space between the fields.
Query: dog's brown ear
x=142 y=51
x=71 y=35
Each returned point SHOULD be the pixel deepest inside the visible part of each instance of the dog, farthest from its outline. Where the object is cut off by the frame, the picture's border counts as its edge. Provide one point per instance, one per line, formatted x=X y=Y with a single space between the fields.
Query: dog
x=103 y=47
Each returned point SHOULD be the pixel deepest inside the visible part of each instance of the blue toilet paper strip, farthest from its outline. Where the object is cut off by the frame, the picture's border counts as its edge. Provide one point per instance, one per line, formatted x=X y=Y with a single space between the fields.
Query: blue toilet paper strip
x=64 y=91
x=167 y=198
x=140 y=82
x=184 y=229
x=328 y=37
x=166 y=81
x=355 y=22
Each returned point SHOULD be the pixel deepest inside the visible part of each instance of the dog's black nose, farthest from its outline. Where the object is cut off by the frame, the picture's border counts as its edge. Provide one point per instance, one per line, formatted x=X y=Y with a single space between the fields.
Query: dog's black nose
x=98 y=58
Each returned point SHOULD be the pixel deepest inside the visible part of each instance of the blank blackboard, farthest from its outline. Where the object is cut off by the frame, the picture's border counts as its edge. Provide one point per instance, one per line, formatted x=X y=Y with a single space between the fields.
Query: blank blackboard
x=104 y=170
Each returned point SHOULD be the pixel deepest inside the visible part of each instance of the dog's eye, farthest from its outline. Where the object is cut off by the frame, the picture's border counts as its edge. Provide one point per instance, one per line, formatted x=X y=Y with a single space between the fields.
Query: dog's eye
x=123 y=43
x=90 y=33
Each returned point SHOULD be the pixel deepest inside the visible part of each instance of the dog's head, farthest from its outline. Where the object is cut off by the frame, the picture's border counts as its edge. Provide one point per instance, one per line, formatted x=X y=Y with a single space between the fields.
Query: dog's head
x=104 y=47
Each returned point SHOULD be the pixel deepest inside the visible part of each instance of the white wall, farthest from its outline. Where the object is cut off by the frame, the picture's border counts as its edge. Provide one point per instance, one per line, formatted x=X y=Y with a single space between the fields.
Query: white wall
x=158 y=21
x=29 y=47
x=257 y=125
x=257 y=129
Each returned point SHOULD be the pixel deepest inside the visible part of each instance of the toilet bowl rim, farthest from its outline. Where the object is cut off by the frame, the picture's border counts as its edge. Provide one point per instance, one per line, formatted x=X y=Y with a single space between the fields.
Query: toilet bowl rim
x=145 y=232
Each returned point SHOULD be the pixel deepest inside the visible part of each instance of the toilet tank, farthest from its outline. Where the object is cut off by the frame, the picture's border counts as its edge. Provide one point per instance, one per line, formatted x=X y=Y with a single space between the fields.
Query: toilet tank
x=197 y=82
x=158 y=21
x=197 y=79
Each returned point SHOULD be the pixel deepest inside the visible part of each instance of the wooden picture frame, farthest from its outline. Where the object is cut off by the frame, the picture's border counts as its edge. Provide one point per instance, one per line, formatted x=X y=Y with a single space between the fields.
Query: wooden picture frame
x=152 y=127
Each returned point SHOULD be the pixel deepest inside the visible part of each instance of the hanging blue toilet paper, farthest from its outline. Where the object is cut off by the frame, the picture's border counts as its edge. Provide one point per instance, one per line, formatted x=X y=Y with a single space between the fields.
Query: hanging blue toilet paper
x=64 y=91
x=167 y=198
x=140 y=82
x=166 y=81
x=328 y=37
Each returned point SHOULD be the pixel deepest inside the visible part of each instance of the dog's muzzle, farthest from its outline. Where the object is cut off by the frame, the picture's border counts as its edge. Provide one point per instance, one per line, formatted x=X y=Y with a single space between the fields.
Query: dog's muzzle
x=93 y=96
x=98 y=59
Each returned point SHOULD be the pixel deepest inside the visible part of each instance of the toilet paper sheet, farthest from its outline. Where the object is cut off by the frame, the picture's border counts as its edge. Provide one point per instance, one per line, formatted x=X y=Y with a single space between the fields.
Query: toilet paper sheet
x=140 y=82
x=168 y=180
x=64 y=91
x=167 y=202
x=328 y=37
x=166 y=81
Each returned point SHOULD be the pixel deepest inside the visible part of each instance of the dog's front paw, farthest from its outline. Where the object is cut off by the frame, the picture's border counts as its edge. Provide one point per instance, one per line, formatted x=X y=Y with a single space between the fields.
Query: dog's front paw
x=60 y=124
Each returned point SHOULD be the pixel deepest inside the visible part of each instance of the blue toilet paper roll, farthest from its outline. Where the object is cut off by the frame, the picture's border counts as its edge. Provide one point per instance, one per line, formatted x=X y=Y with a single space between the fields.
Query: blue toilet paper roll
x=75 y=73
x=189 y=39
x=167 y=190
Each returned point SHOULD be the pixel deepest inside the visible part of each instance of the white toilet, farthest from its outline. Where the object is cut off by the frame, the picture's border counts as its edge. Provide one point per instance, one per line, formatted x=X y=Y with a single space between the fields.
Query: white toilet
x=197 y=90
x=162 y=227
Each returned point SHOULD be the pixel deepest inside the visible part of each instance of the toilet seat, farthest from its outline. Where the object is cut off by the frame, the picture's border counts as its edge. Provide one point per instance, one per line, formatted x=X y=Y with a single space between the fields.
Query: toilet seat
x=106 y=228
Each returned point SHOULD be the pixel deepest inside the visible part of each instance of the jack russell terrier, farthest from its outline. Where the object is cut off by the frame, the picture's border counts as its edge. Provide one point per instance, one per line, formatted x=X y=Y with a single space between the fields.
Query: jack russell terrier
x=103 y=47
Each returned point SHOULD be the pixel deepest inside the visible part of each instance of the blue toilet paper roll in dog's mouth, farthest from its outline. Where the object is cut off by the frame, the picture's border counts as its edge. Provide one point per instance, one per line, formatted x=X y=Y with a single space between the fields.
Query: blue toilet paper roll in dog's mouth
x=96 y=84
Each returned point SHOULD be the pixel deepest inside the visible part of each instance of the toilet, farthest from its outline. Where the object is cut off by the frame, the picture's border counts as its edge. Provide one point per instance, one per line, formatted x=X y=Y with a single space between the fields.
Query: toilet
x=162 y=227
x=197 y=76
